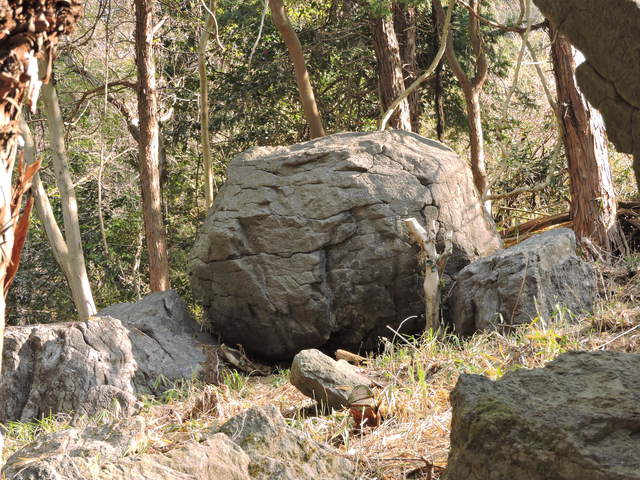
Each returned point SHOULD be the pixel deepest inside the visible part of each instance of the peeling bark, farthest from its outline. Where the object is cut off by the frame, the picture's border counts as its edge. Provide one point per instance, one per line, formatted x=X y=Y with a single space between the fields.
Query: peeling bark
x=593 y=199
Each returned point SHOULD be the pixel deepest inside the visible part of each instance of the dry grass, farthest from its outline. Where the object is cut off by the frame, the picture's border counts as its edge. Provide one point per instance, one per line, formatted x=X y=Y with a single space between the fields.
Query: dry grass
x=416 y=376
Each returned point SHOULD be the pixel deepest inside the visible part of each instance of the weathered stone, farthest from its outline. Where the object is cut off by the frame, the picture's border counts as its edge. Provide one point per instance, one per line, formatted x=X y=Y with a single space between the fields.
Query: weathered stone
x=166 y=340
x=320 y=377
x=577 y=418
x=606 y=32
x=278 y=451
x=515 y=285
x=256 y=444
x=305 y=245
x=108 y=398
x=53 y=368
x=109 y=453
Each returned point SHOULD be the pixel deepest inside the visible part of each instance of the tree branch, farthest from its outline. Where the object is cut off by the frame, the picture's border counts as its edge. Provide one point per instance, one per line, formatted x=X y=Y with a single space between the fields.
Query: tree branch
x=425 y=76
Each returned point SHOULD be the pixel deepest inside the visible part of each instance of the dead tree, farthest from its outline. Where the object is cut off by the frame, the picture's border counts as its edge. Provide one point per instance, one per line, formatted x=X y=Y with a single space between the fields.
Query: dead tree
x=434 y=264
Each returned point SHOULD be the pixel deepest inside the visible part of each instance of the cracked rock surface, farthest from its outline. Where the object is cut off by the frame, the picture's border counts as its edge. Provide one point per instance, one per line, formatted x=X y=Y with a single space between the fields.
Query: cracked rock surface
x=84 y=366
x=305 y=245
x=256 y=444
x=576 y=418
x=606 y=32
x=534 y=278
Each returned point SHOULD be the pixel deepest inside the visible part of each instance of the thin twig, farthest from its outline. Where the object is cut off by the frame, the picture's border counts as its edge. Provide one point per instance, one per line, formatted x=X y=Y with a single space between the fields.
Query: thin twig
x=255 y=45
x=601 y=347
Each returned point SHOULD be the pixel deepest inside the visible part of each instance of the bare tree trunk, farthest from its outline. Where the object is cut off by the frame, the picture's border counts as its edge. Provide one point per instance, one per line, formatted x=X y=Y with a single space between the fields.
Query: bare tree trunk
x=390 y=78
x=434 y=267
x=438 y=91
x=25 y=35
x=290 y=38
x=204 y=106
x=476 y=139
x=404 y=20
x=472 y=88
x=593 y=200
x=149 y=148
x=71 y=262
x=78 y=278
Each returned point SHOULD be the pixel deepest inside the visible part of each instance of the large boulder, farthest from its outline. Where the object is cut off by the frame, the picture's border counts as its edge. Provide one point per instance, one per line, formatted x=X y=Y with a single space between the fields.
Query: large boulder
x=606 y=32
x=577 y=418
x=132 y=348
x=305 y=246
x=512 y=286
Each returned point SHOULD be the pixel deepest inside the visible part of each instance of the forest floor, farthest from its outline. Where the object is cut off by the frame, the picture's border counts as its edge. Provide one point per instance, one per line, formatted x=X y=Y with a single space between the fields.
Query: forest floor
x=416 y=374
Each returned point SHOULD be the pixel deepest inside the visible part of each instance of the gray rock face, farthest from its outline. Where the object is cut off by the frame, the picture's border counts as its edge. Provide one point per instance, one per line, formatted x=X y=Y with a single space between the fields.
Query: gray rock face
x=606 y=32
x=165 y=339
x=305 y=246
x=577 y=418
x=256 y=444
x=65 y=367
x=515 y=285
x=280 y=452
x=109 y=453
x=320 y=377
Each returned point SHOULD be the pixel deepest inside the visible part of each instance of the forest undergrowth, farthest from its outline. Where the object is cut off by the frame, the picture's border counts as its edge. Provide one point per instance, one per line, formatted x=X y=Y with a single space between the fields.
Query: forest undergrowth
x=415 y=377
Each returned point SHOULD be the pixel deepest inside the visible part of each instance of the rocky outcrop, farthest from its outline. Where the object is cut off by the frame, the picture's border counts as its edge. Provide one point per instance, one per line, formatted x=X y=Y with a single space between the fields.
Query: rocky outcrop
x=255 y=445
x=579 y=417
x=166 y=341
x=279 y=451
x=305 y=246
x=606 y=32
x=81 y=366
x=515 y=285
x=111 y=453
x=323 y=379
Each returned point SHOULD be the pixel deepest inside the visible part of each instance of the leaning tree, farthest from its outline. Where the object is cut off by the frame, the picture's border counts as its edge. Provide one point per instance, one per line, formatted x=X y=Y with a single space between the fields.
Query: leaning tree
x=29 y=30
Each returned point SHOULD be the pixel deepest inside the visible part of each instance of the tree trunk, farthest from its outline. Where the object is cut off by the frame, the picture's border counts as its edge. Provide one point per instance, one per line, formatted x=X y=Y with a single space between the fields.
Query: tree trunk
x=390 y=78
x=30 y=33
x=593 y=201
x=69 y=257
x=290 y=38
x=438 y=91
x=472 y=88
x=204 y=106
x=149 y=148
x=476 y=139
x=78 y=279
x=404 y=20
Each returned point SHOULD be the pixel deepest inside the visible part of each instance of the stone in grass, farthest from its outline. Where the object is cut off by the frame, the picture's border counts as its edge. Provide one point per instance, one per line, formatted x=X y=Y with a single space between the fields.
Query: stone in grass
x=515 y=285
x=576 y=418
x=255 y=445
x=325 y=380
x=117 y=452
x=280 y=452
